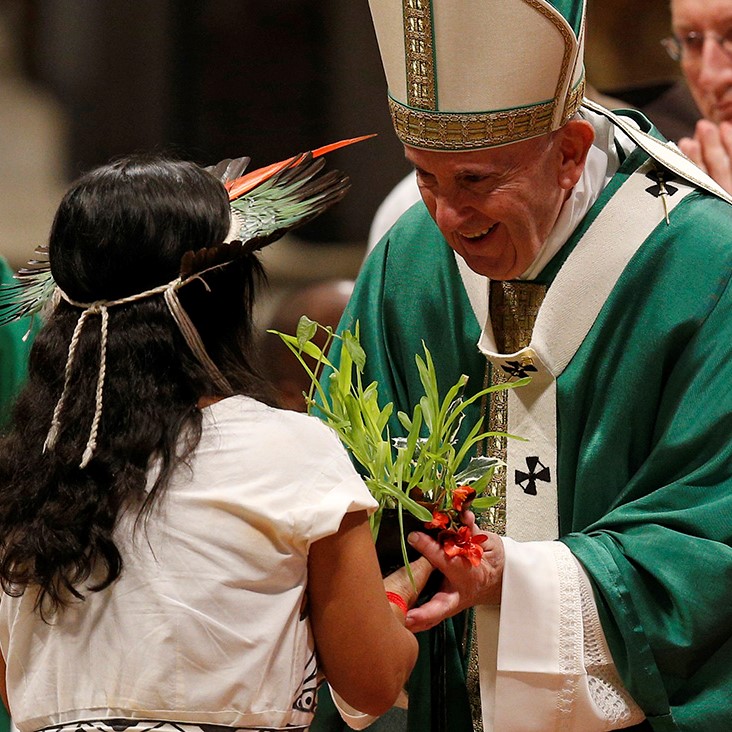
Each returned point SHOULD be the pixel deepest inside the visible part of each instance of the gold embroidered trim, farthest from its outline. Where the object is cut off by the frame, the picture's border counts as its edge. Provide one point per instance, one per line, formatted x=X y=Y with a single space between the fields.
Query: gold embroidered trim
x=569 y=43
x=419 y=54
x=514 y=307
x=472 y=678
x=471 y=131
x=494 y=519
x=574 y=101
x=513 y=310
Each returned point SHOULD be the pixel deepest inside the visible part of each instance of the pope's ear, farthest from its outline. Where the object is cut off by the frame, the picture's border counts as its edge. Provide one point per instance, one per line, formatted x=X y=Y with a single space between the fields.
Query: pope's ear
x=573 y=141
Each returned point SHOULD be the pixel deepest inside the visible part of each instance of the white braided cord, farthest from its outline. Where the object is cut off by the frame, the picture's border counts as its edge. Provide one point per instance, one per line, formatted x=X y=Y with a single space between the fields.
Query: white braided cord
x=53 y=431
x=99 y=394
x=184 y=323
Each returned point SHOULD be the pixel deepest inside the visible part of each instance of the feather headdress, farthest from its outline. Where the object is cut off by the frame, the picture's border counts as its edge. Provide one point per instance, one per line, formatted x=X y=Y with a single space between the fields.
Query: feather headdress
x=265 y=204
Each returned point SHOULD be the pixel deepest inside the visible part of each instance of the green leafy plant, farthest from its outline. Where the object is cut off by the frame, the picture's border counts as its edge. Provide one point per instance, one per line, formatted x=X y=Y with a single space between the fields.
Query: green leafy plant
x=419 y=473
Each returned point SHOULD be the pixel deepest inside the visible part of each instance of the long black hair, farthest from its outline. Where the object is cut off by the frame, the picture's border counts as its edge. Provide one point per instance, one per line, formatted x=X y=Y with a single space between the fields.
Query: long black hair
x=120 y=230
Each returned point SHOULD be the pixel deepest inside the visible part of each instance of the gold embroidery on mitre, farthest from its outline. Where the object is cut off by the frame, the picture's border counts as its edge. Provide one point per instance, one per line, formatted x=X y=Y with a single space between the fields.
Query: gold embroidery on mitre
x=472 y=131
x=513 y=310
x=419 y=123
x=569 y=42
x=419 y=54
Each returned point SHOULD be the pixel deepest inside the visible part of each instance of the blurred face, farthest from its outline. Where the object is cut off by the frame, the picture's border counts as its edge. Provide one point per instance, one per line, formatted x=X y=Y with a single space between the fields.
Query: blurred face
x=706 y=65
x=496 y=207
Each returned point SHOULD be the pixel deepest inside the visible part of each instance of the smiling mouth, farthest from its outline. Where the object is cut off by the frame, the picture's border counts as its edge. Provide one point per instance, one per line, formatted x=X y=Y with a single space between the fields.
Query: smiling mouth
x=479 y=234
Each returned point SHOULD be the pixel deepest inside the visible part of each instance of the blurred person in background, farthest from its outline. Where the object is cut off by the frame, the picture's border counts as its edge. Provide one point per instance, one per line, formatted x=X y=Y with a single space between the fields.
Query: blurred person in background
x=702 y=44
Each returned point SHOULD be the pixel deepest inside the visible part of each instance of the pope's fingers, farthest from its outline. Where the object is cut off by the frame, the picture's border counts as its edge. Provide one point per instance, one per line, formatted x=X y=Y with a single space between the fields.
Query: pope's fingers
x=725 y=132
x=709 y=137
x=467 y=518
x=428 y=548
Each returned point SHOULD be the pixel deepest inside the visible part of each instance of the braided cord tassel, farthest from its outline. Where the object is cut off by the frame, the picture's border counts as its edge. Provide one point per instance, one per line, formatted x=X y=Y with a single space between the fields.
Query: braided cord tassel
x=53 y=430
x=193 y=339
x=91 y=444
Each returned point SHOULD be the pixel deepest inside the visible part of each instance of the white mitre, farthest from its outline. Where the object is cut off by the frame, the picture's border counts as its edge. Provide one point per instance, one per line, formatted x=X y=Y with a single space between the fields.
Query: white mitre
x=473 y=74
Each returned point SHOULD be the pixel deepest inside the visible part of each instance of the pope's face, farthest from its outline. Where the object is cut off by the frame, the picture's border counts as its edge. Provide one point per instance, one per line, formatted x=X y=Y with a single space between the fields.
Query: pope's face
x=707 y=67
x=494 y=207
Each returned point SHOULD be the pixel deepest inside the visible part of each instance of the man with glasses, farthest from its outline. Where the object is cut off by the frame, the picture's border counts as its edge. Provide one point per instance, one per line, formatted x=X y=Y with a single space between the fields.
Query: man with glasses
x=702 y=44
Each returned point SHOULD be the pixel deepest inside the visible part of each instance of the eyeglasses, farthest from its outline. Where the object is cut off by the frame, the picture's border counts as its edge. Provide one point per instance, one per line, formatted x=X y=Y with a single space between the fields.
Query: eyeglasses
x=690 y=46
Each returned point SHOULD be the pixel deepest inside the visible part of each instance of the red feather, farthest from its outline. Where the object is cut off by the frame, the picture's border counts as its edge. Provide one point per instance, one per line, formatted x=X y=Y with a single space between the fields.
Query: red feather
x=239 y=186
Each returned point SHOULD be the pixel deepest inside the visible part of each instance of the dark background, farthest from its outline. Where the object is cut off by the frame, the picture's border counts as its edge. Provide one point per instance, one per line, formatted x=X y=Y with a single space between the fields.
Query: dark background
x=209 y=79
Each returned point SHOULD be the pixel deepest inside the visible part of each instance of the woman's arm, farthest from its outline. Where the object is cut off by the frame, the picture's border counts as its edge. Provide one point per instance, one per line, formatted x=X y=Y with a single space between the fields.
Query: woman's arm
x=3 y=689
x=363 y=647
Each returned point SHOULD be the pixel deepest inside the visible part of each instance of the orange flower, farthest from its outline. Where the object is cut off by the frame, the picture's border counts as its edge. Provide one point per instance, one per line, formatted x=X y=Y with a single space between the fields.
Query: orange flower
x=440 y=520
x=462 y=496
x=462 y=543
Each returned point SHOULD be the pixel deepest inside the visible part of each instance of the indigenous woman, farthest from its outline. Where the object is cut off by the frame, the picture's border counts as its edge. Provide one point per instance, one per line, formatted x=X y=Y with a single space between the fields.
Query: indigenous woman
x=175 y=551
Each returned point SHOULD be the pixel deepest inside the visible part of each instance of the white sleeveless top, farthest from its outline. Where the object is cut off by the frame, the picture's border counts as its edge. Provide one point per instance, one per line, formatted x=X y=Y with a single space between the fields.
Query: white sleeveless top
x=206 y=623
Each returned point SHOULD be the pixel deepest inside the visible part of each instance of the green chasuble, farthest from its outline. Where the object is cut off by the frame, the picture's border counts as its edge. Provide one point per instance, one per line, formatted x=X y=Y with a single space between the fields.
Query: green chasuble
x=13 y=369
x=644 y=419
x=13 y=353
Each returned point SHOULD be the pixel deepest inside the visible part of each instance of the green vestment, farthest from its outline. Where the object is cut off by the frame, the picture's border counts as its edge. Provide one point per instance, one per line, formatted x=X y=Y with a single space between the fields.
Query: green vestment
x=644 y=420
x=13 y=370
x=13 y=353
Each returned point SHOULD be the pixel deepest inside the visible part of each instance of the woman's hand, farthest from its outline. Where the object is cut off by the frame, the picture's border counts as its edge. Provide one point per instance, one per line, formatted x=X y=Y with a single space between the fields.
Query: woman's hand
x=400 y=583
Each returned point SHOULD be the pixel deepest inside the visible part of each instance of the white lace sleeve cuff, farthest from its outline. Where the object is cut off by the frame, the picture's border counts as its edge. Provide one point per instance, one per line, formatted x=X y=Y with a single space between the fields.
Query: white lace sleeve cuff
x=552 y=661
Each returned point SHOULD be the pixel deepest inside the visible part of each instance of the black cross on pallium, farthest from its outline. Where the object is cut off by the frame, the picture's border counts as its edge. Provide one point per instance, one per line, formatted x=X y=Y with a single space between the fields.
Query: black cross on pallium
x=517 y=369
x=662 y=180
x=543 y=474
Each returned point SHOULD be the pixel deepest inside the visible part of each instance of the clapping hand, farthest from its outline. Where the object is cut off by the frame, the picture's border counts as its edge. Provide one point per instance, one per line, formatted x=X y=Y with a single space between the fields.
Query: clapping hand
x=711 y=150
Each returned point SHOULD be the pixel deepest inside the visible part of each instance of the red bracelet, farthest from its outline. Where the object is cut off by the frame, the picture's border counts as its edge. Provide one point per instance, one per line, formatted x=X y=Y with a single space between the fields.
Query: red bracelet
x=397 y=600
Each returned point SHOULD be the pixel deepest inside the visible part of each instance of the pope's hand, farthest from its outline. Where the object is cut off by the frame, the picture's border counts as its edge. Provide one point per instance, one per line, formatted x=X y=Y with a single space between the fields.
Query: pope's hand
x=711 y=150
x=464 y=585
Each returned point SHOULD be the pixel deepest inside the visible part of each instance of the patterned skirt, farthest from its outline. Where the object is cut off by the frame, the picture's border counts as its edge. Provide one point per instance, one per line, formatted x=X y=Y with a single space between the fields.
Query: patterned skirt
x=144 y=725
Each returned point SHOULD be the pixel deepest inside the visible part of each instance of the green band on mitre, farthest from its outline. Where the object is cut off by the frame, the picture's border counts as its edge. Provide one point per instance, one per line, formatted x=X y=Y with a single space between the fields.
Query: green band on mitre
x=480 y=73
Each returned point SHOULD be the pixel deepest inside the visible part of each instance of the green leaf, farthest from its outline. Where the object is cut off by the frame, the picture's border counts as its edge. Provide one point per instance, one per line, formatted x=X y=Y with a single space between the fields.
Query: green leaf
x=419 y=511
x=483 y=503
x=306 y=329
x=428 y=378
x=482 y=483
x=428 y=413
x=471 y=439
x=344 y=372
x=356 y=352
x=505 y=385
x=404 y=420
x=384 y=417
x=476 y=468
x=308 y=347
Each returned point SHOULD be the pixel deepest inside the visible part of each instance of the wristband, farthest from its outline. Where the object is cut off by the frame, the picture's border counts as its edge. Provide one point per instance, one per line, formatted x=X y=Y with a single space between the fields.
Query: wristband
x=397 y=600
